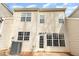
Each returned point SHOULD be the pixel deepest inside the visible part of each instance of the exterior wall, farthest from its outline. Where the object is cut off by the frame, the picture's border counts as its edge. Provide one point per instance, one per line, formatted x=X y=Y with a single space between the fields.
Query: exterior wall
x=28 y=27
x=73 y=35
x=51 y=25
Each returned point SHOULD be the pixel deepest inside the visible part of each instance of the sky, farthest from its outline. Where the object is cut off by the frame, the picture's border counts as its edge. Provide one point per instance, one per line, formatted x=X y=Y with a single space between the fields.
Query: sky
x=70 y=7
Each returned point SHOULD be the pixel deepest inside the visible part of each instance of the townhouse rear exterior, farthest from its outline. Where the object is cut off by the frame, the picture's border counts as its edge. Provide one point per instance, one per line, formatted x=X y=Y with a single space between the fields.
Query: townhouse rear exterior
x=39 y=30
x=36 y=30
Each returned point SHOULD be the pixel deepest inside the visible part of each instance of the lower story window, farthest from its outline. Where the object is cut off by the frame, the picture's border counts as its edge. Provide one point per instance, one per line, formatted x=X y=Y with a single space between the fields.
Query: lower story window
x=58 y=39
x=49 y=42
x=20 y=35
x=49 y=39
x=61 y=40
x=23 y=35
x=26 y=35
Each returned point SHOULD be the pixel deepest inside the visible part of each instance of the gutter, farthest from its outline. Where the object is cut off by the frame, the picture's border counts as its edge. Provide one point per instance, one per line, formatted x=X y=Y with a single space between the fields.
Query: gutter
x=73 y=18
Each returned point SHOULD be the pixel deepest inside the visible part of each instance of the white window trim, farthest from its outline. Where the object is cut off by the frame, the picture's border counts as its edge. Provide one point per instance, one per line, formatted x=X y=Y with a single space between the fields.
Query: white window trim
x=23 y=37
x=41 y=18
x=26 y=16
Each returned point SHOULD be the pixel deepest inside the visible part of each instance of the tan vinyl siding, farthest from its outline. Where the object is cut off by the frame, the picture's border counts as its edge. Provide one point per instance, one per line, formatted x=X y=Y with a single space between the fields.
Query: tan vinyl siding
x=51 y=25
x=73 y=35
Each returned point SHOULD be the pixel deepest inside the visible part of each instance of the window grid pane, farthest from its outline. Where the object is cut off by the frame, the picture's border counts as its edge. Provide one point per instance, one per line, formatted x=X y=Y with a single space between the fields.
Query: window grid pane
x=28 y=18
x=61 y=36
x=26 y=35
x=49 y=36
x=55 y=36
x=20 y=36
x=55 y=43
x=62 y=42
x=41 y=46
x=26 y=38
x=49 y=42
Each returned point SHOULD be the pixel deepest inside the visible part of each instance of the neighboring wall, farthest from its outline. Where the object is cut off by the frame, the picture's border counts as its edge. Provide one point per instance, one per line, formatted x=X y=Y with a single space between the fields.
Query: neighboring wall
x=4 y=12
x=5 y=38
x=72 y=25
x=5 y=26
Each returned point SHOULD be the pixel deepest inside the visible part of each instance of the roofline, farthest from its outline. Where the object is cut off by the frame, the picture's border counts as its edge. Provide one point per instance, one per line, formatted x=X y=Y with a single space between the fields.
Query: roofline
x=7 y=8
x=39 y=9
x=73 y=11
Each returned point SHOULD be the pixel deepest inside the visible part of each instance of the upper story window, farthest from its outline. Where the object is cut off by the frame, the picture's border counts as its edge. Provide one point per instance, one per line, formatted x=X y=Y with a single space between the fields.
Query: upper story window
x=23 y=35
x=61 y=20
x=42 y=18
x=26 y=17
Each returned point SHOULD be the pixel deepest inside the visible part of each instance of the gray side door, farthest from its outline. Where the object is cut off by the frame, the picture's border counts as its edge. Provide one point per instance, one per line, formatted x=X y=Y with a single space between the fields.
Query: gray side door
x=15 y=48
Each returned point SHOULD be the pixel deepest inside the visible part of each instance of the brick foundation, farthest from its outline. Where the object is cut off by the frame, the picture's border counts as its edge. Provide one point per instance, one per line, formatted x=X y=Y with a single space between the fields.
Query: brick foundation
x=4 y=52
x=26 y=54
x=43 y=53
